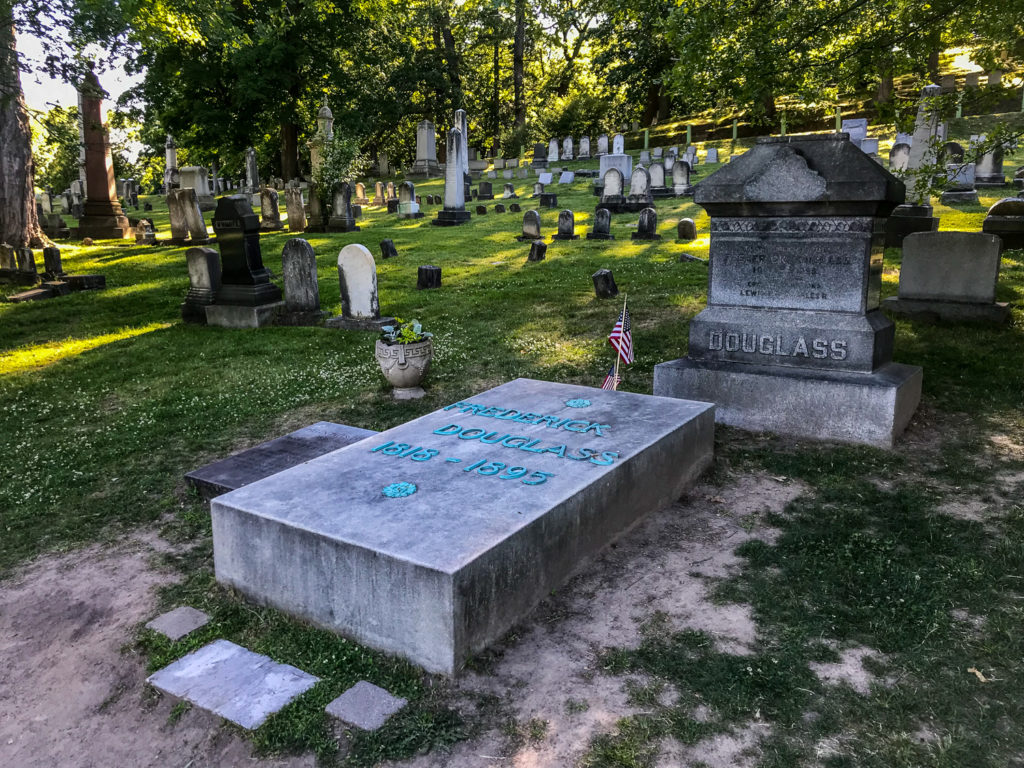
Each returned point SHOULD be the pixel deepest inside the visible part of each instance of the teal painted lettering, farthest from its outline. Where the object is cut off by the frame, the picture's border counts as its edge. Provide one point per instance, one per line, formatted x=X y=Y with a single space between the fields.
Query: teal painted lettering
x=585 y=425
x=597 y=428
x=488 y=438
x=528 y=418
x=585 y=453
x=529 y=447
x=558 y=450
x=465 y=434
x=607 y=458
x=451 y=429
x=507 y=442
x=454 y=405
x=491 y=412
x=548 y=421
x=510 y=414
x=561 y=423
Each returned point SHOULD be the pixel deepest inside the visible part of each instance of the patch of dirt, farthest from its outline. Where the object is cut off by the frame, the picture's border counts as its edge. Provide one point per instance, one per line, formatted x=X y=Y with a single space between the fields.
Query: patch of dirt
x=849 y=669
x=967 y=509
x=736 y=749
x=666 y=563
x=69 y=696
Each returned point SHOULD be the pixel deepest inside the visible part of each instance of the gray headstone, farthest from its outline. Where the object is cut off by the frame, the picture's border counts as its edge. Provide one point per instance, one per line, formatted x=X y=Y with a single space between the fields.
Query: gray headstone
x=899 y=157
x=232 y=682
x=531 y=226
x=647 y=229
x=187 y=221
x=566 y=227
x=365 y=706
x=712 y=155
x=537 y=250
x=604 y=284
x=298 y=263
x=296 y=209
x=613 y=183
x=686 y=230
x=544 y=178
x=553 y=151
x=857 y=128
x=950 y=266
x=566 y=177
x=204 y=283
x=681 y=178
x=602 y=144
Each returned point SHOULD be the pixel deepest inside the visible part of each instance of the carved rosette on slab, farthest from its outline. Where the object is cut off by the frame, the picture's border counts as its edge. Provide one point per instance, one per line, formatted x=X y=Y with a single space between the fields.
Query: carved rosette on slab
x=405 y=366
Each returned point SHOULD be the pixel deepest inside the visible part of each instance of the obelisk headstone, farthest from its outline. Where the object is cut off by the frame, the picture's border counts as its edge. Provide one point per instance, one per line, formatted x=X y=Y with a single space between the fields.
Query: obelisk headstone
x=102 y=217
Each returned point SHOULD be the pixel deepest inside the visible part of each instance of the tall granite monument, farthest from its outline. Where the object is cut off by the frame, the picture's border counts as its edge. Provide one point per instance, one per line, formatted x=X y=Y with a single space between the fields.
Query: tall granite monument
x=792 y=340
x=425 y=166
x=102 y=217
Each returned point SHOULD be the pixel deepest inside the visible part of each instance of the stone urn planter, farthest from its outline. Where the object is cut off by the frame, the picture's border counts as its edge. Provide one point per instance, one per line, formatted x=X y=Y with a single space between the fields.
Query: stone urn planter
x=404 y=366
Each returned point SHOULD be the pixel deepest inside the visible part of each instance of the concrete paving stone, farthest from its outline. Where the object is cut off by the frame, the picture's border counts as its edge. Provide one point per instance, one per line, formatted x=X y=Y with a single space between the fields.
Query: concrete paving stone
x=179 y=622
x=365 y=706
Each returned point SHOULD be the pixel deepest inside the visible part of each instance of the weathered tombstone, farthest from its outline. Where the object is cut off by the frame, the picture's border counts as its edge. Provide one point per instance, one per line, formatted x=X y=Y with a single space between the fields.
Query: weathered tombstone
x=540 y=158
x=566 y=227
x=379 y=199
x=792 y=340
x=454 y=211
x=26 y=260
x=499 y=208
x=342 y=218
x=187 y=223
x=1006 y=220
x=657 y=153
x=387 y=249
x=960 y=185
x=408 y=208
x=531 y=227
x=953 y=152
x=204 y=283
x=950 y=276
x=640 y=196
x=681 y=179
x=427 y=277
x=145 y=234
x=686 y=230
x=463 y=156
x=545 y=178
x=296 y=209
x=171 y=178
x=602 y=144
x=197 y=177
x=857 y=128
x=712 y=155
x=102 y=217
x=899 y=156
x=584 y=148
x=270 y=211
x=612 y=198
x=538 y=189
x=246 y=298
x=1018 y=178
x=916 y=214
x=53 y=268
x=481 y=210
x=515 y=208
x=509 y=192
x=548 y=200
x=553 y=151
x=647 y=228
x=508 y=173
x=357 y=278
x=566 y=177
x=567 y=153
x=485 y=191
x=971 y=79
x=989 y=169
x=604 y=284
x=602 y=226
x=301 y=290
x=252 y=171
x=869 y=146
x=658 y=188
x=425 y=166
x=538 y=249
x=360 y=195
x=645 y=157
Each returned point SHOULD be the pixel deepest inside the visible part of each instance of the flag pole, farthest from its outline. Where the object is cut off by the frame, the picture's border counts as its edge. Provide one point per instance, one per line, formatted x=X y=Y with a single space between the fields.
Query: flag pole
x=618 y=354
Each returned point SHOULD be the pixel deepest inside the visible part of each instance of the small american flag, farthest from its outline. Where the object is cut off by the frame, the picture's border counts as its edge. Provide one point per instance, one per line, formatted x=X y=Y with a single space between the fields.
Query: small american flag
x=621 y=338
x=612 y=380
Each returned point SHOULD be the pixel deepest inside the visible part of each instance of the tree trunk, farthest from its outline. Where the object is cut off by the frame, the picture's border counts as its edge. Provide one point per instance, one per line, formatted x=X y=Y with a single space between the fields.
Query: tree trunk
x=885 y=89
x=451 y=57
x=19 y=225
x=289 y=151
x=496 y=107
x=651 y=105
x=518 y=51
x=933 y=66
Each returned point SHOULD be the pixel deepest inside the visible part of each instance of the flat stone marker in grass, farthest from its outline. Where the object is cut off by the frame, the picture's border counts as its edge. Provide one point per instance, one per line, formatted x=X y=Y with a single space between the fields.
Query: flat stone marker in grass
x=233 y=682
x=366 y=706
x=435 y=537
x=273 y=456
x=182 y=621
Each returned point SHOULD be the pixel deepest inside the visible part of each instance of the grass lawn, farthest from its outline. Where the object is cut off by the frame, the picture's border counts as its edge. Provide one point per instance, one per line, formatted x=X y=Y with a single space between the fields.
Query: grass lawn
x=109 y=399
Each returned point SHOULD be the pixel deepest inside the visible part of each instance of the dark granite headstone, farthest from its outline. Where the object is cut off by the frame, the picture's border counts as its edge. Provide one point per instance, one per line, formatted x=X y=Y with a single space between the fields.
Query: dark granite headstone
x=602 y=226
x=647 y=228
x=686 y=230
x=953 y=152
x=26 y=260
x=387 y=249
x=604 y=284
x=342 y=218
x=244 y=279
x=1006 y=220
x=273 y=456
x=499 y=208
x=538 y=248
x=481 y=210
x=301 y=289
x=52 y=265
x=792 y=340
x=515 y=208
x=566 y=227
x=428 y=276
x=485 y=191
x=549 y=200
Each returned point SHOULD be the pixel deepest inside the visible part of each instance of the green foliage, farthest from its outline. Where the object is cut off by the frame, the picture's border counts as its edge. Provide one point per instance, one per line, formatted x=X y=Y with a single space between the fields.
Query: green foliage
x=55 y=142
x=403 y=332
x=342 y=161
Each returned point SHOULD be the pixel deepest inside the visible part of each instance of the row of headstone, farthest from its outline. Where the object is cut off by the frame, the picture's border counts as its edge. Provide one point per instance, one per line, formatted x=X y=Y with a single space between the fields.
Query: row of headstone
x=647 y=228
x=644 y=186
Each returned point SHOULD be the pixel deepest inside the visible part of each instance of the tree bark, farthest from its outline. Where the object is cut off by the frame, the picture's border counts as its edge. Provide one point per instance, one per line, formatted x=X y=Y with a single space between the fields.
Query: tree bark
x=518 y=51
x=289 y=151
x=651 y=105
x=885 y=89
x=19 y=225
x=496 y=106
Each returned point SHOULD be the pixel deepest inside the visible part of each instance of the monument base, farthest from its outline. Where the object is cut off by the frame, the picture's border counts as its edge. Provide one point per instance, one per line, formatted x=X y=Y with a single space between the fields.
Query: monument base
x=990 y=181
x=359 y=323
x=342 y=225
x=565 y=237
x=448 y=218
x=429 y=543
x=641 y=236
x=102 y=220
x=298 y=318
x=955 y=311
x=958 y=197
x=600 y=236
x=1009 y=229
x=907 y=219
x=236 y=316
x=866 y=408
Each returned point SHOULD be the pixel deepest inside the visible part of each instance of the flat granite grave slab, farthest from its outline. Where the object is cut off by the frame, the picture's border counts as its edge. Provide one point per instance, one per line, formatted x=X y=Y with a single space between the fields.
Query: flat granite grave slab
x=432 y=539
x=182 y=621
x=233 y=682
x=273 y=456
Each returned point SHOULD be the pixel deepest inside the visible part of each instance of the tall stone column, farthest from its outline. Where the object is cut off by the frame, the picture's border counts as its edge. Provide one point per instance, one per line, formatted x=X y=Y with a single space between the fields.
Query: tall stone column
x=102 y=217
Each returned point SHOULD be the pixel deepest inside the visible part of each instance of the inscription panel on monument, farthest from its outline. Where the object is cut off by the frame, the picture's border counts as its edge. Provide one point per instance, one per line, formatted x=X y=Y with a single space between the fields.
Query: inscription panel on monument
x=807 y=263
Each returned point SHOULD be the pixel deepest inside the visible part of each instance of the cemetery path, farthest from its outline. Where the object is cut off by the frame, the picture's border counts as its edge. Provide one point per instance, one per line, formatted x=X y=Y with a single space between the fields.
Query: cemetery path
x=70 y=695
x=547 y=674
